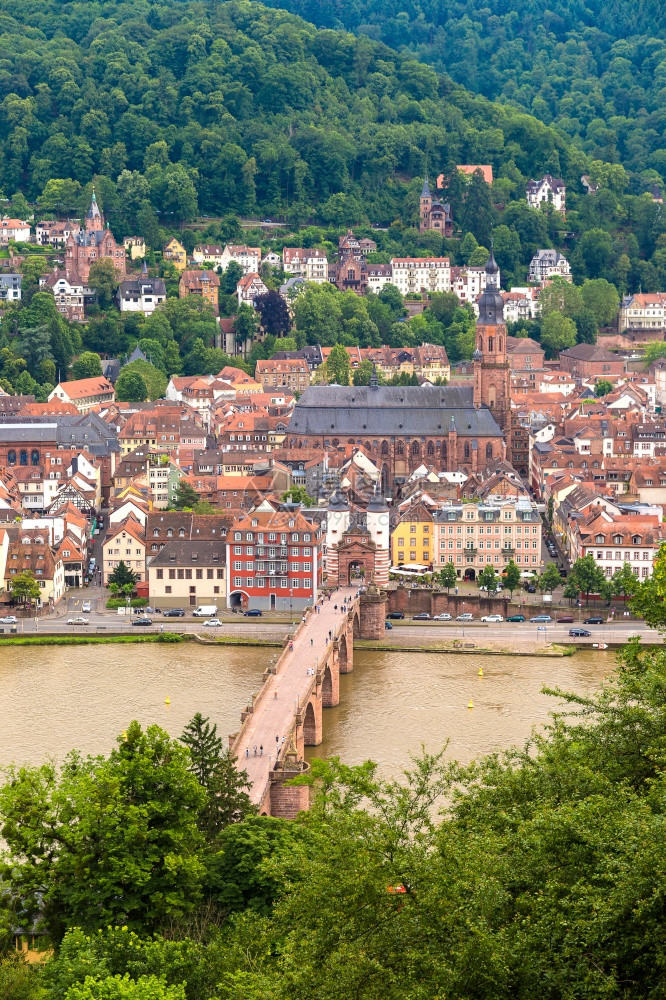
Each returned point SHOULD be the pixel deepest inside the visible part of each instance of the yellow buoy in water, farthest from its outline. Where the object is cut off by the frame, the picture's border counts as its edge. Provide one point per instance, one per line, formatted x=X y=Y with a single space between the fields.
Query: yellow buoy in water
x=480 y=671
x=167 y=700
x=471 y=704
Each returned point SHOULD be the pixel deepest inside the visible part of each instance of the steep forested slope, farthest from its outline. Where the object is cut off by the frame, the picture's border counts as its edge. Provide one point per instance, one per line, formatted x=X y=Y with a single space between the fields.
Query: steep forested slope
x=596 y=69
x=237 y=107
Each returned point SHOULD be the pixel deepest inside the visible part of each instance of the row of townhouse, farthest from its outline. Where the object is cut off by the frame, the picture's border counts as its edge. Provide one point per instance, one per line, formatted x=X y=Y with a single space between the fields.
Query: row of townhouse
x=53 y=548
x=591 y=521
x=471 y=535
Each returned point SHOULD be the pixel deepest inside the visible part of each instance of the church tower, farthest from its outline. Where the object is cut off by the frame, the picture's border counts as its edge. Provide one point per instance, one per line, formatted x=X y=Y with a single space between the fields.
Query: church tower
x=425 y=206
x=492 y=373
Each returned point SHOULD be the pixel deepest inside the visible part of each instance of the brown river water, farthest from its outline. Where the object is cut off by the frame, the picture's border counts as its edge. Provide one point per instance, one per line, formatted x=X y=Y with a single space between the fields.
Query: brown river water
x=58 y=698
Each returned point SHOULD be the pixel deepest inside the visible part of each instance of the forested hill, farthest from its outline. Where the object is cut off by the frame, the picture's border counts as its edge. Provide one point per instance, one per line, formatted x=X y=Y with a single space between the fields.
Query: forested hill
x=596 y=69
x=233 y=107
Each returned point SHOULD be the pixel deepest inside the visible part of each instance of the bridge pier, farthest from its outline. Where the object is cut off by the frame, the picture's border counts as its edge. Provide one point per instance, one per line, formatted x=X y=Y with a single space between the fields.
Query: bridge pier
x=373 y=613
x=330 y=684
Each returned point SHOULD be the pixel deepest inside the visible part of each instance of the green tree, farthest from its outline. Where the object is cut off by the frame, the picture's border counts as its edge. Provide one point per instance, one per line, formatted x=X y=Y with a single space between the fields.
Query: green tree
x=448 y=576
x=602 y=387
x=511 y=576
x=488 y=579
x=245 y=324
x=299 y=494
x=478 y=215
x=124 y=988
x=123 y=576
x=337 y=366
x=186 y=496
x=130 y=386
x=364 y=372
x=587 y=576
x=602 y=299
x=87 y=365
x=213 y=765
x=557 y=334
x=230 y=278
x=571 y=590
x=549 y=579
x=561 y=296
x=624 y=581
x=152 y=377
x=60 y=196
x=24 y=588
x=586 y=327
x=648 y=600
x=127 y=820
x=103 y=279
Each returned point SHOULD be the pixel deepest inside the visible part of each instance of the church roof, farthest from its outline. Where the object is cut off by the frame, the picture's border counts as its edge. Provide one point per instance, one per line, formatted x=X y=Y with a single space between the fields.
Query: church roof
x=425 y=193
x=341 y=411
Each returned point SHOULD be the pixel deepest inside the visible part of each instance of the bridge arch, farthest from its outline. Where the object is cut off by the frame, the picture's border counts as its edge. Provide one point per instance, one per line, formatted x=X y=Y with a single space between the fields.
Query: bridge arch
x=312 y=723
x=342 y=653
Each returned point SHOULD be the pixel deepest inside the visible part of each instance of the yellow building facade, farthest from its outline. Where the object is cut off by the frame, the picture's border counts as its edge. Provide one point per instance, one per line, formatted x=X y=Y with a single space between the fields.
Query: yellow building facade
x=412 y=538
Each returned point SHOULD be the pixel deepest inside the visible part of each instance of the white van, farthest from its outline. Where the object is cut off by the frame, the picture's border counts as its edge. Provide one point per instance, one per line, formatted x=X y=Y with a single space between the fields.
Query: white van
x=205 y=611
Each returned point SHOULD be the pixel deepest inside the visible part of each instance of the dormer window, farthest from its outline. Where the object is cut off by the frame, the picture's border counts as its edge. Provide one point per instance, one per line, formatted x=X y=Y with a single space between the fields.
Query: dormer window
x=617 y=539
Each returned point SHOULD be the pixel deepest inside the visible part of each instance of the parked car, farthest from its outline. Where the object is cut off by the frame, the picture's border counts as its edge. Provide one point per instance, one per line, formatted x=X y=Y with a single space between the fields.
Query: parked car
x=466 y=617
x=444 y=617
x=594 y=620
x=252 y=613
x=142 y=621
x=542 y=619
x=9 y=620
x=516 y=618
x=565 y=619
x=174 y=613
x=530 y=588
x=78 y=621
x=579 y=633
x=86 y=607
x=423 y=617
x=492 y=618
x=213 y=623
x=497 y=588
x=395 y=616
x=388 y=626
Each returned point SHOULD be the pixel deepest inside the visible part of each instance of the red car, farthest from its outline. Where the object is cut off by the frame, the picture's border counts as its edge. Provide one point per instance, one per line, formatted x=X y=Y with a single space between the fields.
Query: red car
x=566 y=619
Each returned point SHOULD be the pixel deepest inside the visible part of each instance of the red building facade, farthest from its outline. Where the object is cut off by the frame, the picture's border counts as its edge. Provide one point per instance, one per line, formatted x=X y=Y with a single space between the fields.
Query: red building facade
x=274 y=561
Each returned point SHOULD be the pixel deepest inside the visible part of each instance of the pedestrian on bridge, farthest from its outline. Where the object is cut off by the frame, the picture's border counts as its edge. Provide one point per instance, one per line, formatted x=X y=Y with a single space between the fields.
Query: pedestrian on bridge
x=255 y=751
x=312 y=642
x=261 y=749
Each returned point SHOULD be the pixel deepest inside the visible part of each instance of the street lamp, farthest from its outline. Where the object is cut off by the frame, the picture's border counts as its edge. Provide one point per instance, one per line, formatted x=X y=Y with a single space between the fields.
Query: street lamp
x=291 y=607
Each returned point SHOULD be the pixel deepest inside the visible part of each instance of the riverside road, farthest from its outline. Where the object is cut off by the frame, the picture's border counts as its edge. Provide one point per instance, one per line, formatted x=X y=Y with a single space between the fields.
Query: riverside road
x=417 y=632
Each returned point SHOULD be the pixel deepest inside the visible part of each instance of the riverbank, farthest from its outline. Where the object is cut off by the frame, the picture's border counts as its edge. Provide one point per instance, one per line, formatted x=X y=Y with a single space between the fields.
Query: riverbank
x=462 y=646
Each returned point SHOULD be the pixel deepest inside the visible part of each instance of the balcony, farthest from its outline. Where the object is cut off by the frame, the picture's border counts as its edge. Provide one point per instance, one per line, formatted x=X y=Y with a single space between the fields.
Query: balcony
x=508 y=550
x=470 y=551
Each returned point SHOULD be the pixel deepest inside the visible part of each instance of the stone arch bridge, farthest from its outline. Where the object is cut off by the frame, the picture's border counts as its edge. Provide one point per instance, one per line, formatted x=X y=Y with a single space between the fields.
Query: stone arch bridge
x=287 y=714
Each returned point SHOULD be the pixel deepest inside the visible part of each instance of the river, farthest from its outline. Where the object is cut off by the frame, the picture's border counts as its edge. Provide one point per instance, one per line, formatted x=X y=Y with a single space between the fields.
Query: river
x=53 y=699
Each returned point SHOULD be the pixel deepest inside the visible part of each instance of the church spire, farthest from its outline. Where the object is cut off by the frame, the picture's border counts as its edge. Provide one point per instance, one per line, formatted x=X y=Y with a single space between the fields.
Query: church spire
x=425 y=192
x=94 y=218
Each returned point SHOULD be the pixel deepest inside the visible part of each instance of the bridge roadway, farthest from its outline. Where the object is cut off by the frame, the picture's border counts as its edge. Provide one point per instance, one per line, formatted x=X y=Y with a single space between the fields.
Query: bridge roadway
x=287 y=694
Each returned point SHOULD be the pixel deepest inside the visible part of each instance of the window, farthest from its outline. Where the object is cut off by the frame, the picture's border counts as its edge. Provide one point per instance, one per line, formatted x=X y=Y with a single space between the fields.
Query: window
x=160 y=574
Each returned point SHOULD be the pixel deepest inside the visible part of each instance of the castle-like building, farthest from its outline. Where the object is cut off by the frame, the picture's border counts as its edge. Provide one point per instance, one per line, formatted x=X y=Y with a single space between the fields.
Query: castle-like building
x=453 y=427
x=433 y=213
x=94 y=242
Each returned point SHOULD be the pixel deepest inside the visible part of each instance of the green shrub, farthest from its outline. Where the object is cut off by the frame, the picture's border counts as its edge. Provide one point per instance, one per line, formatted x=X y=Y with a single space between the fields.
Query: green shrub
x=169 y=637
x=120 y=602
